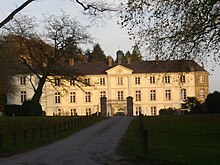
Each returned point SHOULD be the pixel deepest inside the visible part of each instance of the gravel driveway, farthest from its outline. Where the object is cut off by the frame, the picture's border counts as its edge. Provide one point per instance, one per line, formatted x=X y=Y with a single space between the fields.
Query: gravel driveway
x=92 y=146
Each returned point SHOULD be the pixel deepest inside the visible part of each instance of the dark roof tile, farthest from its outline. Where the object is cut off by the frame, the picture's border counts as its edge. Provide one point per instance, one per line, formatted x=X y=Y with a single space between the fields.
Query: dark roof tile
x=100 y=67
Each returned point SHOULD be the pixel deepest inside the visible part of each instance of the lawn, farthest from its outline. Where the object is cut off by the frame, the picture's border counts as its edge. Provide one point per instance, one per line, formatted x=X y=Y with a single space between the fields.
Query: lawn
x=189 y=139
x=18 y=134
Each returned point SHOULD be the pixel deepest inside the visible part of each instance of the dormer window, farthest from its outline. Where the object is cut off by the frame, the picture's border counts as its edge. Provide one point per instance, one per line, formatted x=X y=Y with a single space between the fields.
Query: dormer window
x=72 y=82
x=57 y=82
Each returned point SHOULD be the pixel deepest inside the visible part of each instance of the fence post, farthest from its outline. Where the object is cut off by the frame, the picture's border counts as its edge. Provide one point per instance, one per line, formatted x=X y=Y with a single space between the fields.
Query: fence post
x=25 y=136
x=54 y=129
x=41 y=132
x=146 y=140
x=48 y=130
x=33 y=134
x=1 y=142
x=14 y=139
x=71 y=124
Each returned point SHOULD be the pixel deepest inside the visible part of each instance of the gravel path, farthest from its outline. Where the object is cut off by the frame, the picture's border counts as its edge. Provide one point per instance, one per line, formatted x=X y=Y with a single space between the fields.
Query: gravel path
x=95 y=145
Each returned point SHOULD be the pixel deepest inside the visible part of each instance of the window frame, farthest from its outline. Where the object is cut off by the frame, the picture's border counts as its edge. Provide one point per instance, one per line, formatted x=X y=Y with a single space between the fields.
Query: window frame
x=152 y=80
x=137 y=80
x=168 y=95
x=88 y=97
x=120 y=81
x=72 y=97
x=183 y=95
x=23 y=80
x=57 y=98
x=153 y=95
x=183 y=79
x=167 y=79
x=23 y=96
x=57 y=82
x=120 y=95
x=153 y=111
x=102 y=81
x=102 y=94
x=138 y=95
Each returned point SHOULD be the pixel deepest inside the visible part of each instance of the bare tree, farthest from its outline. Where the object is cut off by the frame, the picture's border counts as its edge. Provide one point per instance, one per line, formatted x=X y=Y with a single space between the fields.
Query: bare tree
x=174 y=28
x=46 y=55
x=91 y=8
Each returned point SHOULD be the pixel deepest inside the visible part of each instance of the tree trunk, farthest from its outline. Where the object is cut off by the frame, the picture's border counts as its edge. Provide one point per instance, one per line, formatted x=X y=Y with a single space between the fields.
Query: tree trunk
x=38 y=93
x=34 y=106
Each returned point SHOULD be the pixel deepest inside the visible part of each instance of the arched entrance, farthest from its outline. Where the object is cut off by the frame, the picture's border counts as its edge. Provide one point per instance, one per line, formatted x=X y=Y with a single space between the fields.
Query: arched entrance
x=116 y=107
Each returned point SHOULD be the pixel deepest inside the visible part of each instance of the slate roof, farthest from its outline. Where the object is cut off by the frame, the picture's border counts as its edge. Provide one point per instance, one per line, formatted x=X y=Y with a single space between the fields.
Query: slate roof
x=100 y=67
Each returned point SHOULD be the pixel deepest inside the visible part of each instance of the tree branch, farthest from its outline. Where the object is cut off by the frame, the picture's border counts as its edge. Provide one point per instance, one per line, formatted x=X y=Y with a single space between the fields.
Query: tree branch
x=11 y=16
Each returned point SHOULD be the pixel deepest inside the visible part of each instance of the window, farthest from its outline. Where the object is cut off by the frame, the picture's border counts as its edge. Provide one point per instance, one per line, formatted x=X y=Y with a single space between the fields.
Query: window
x=168 y=94
x=120 y=95
x=202 y=94
x=152 y=95
x=183 y=94
x=23 y=80
x=152 y=80
x=57 y=97
x=72 y=82
x=102 y=81
x=102 y=94
x=138 y=95
x=72 y=97
x=167 y=79
x=87 y=81
x=201 y=79
x=137 y=80
x=73 y=112
x=120 y=81
x=88 y=111
x=57 y=82
x=182 y=79
x=88 y=97
x=138 y=110
x=153 y=111
x=23 y=96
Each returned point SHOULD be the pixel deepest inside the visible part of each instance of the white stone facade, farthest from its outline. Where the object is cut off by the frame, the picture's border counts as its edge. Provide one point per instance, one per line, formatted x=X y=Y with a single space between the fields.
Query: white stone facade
x=150 y=91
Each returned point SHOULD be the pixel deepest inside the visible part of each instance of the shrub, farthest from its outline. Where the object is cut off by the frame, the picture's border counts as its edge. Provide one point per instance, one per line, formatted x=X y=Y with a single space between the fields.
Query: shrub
x=168 y=111
x=15 y=110
x=34 y=108
x=212 y=103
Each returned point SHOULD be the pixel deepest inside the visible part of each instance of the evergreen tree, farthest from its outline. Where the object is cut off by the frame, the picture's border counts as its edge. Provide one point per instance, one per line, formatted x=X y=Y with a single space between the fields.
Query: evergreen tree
x=97 y=54
x=127 y=55
x=72 y=50
x=136 y=54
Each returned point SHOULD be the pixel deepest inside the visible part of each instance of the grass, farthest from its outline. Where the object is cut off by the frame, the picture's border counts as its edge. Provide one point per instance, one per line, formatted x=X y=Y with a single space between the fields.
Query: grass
x=193 y=139
x=18 y=134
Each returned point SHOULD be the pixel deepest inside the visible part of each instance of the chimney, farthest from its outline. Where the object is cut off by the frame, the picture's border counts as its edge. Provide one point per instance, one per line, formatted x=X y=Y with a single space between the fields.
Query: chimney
x=71 y=61
x=191 y=67
x=120 y=55
x=157 y=59
x=110 y=61
x=203 y=65
x=129 y=60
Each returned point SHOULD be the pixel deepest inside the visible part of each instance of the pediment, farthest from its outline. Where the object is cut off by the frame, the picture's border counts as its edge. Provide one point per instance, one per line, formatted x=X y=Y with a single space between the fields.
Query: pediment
x=119 y=70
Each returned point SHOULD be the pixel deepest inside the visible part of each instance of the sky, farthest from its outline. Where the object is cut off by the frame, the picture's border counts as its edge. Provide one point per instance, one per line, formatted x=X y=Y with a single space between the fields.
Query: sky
x=108 y=34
